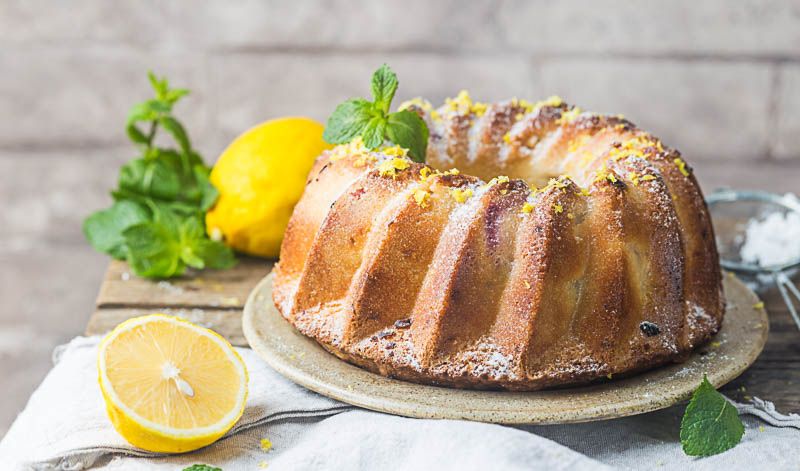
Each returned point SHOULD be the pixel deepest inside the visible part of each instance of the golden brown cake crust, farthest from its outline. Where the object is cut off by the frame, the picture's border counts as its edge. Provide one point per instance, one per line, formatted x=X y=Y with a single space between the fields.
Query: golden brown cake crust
x=487 y=282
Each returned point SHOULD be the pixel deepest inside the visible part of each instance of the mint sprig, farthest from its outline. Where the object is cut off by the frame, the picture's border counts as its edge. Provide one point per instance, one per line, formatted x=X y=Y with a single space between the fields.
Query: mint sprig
x=372 y=121
x=710 y=424
x=201 y=467
x=157 y=220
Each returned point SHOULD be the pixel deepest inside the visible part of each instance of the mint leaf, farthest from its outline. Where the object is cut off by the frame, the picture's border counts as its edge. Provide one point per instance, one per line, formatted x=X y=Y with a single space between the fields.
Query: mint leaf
x=384 y=85
x=406 y=129
x=178 y=133
x=157 y=220
x=710 y=424
x=201 y=467
x=150 y=178
x=153 y=250
x=210 y=194
x=373 y=133
x=160 y=86
x=372 y=122
x=348 y=121
x=214 y=254
x=198 y=251
x=103 y=229
x=174 y=95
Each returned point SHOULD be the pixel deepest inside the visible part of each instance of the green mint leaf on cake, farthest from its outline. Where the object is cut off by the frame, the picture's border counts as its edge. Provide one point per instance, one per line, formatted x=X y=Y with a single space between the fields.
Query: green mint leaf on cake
x=408 y=130
x=711 y=424
x=348 y=121
x=374 y=131
x=384 y=85
x=373 y=122
x=201 y=467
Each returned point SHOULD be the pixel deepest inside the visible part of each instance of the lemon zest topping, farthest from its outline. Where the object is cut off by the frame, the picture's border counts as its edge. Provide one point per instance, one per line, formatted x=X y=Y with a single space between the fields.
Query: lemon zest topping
x=389 y=168
x=463 y=104
x=576 y=144
x=452 y=171
x=619 y=126
x=352 y=148
x=422 y=197
x=418 y=102
x=424 y=172
x=569 y=116
x=395 y=151
x=527 y=285
x=553 y=100
x=460 y=196
x=681 y=166
x=527 y=208
x=759 y=305
x=645 y=178
x=266 y=445
x=558 y=208
x=519 y=116
x=569 y=215
x=604 y=174
x=507 y=137
x=421 y=103
x=495 y=181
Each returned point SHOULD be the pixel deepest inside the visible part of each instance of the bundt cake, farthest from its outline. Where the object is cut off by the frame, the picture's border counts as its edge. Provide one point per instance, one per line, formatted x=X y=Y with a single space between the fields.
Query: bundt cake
x=568 y=246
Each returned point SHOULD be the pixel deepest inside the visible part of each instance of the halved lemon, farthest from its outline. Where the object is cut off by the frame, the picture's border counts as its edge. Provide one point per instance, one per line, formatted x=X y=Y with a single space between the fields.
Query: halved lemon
x=169 y=385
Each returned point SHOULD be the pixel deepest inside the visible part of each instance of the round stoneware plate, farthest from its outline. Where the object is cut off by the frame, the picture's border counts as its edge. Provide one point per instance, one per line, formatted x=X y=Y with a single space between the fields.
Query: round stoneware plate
x=305 y=362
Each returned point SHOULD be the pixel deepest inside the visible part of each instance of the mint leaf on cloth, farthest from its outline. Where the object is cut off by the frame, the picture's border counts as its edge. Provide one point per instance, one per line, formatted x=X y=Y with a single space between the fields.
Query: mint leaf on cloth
x=348 y=121
x=710 y=424
x=201 y=467
x=408 y=130
x=384 y=85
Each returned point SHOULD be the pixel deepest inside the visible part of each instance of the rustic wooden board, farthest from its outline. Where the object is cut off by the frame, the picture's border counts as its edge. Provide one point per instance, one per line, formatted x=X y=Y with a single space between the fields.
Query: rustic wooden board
x=216 y=298
x=207 y=288
x=211 y=298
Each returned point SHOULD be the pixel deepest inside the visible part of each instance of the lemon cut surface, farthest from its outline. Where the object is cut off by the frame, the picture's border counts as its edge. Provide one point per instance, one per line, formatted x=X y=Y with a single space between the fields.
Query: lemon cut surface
x=169 y=385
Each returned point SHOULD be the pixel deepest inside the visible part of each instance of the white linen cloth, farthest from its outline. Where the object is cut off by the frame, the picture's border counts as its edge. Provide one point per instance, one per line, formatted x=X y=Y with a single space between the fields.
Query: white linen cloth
x=65 y=427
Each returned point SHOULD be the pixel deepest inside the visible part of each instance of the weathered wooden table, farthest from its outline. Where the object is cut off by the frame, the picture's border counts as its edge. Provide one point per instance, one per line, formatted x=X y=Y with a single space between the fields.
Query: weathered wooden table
x=215 y=300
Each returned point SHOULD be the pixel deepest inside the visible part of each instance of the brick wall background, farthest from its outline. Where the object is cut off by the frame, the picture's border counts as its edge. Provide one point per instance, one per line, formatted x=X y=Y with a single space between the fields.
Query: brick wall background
x=719 y=80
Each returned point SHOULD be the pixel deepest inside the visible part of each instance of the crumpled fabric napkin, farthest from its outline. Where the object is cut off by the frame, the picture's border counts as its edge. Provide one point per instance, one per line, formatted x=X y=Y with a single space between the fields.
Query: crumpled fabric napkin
x=65 y=427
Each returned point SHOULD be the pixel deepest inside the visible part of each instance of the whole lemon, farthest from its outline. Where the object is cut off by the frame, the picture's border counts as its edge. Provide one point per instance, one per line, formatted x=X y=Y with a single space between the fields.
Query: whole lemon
x=260 y=177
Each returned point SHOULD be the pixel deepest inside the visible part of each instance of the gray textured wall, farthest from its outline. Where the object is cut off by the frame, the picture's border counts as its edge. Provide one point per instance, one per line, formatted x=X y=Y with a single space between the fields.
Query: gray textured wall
x=719 y=80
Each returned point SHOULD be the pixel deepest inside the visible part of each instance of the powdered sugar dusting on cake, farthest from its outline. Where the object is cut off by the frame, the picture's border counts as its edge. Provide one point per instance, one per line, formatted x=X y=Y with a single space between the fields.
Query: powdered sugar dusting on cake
x=484 y=358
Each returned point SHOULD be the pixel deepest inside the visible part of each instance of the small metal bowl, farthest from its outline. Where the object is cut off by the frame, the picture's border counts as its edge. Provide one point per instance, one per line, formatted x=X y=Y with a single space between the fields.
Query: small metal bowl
x=731 y=211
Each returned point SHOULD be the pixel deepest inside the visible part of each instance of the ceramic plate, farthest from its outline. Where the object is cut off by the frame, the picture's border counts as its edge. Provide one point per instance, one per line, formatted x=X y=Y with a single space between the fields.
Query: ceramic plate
x=305 y=362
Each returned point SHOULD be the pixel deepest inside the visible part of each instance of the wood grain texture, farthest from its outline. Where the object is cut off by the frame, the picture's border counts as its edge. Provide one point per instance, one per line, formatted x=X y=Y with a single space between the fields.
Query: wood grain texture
x=215 y=300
